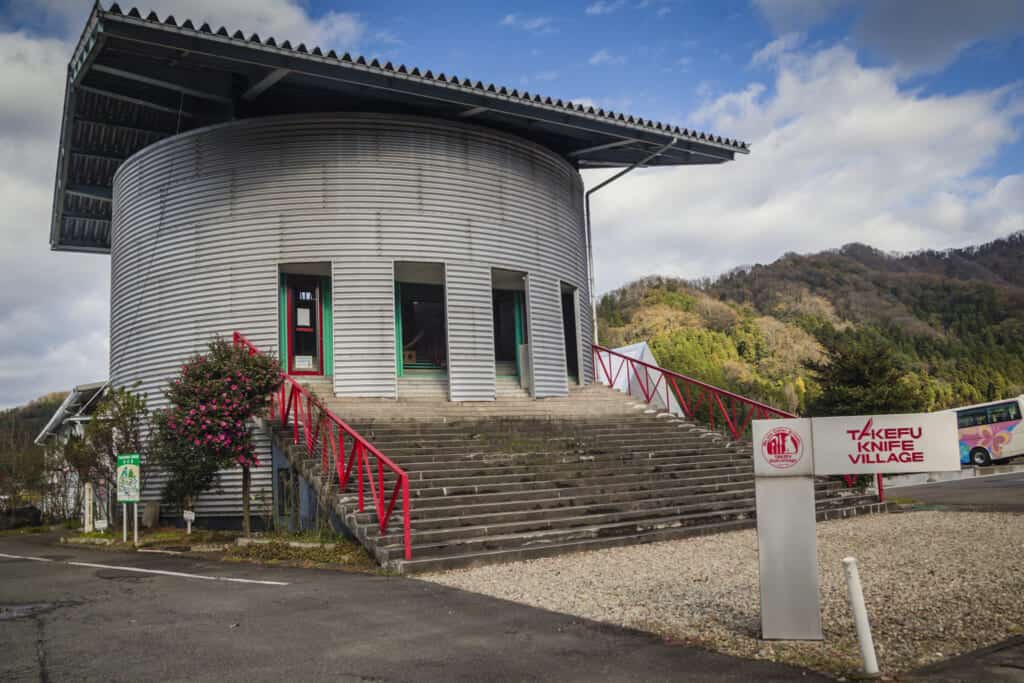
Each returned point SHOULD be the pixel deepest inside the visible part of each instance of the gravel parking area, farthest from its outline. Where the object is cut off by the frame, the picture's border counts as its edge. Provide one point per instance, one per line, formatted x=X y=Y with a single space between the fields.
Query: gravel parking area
x=936 y=584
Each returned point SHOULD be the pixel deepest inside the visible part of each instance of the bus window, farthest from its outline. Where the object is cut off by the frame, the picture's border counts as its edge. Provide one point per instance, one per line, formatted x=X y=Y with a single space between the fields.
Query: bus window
x=1004 y=412
x=972 y=418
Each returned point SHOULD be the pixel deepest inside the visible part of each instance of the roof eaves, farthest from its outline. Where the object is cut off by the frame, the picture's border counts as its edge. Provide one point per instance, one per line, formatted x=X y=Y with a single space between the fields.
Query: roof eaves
x=374 y=66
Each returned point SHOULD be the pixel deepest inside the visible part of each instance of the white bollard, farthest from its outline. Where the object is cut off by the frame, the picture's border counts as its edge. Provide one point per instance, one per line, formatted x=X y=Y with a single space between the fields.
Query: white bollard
x=860 y=616
x=89 y=504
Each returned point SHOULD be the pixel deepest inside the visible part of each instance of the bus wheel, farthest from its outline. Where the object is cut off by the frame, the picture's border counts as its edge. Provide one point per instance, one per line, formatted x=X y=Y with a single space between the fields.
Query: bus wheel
x=980 y=457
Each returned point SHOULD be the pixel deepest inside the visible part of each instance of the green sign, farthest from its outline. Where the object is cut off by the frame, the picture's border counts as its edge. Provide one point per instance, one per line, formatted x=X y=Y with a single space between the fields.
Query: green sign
x=128 y=478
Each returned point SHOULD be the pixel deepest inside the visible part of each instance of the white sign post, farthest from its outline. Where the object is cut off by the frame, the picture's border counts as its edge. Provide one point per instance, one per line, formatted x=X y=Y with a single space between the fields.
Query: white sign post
x=787 y=546
x=190 y=516
x=788 y=454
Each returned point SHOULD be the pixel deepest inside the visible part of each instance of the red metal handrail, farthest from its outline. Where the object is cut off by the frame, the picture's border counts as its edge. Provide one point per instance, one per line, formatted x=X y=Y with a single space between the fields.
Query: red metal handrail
x=324 y=433
x=692 y=395
x=695 y=394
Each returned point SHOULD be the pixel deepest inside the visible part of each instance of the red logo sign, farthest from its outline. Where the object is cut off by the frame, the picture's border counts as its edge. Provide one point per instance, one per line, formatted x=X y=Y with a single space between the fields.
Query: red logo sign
x=782 y=448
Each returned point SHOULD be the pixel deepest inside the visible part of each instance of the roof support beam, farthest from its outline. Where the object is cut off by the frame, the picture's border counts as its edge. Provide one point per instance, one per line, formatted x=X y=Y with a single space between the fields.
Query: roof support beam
x=98 y=155
x=134 y=100
x=85 y=216
x=598 y=148
x=104 y=194
x=264 y=84
x=132 y=76
x=472 y=112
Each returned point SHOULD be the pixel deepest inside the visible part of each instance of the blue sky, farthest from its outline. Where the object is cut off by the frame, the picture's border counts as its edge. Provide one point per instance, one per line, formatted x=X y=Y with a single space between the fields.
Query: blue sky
x=897 y=124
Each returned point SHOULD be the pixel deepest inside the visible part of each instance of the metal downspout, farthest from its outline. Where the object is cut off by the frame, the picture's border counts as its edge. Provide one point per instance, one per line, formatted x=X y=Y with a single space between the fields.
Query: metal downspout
x=590 y=243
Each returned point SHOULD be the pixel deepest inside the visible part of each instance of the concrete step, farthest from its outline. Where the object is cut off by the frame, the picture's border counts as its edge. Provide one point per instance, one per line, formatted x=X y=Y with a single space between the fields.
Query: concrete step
x=517 y=477
x=423 y=562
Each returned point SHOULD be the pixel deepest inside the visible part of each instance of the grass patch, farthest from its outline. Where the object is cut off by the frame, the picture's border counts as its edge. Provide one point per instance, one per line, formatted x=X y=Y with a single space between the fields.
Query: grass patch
x=172 y=537
x=97 y=534
x=22 y=531
x=343 y=554
x=897 y=500
x=307 y=536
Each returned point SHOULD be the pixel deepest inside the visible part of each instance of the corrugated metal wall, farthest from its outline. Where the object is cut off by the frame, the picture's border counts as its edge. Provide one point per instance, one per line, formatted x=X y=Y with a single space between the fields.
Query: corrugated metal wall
x=202 y=220
x=470 y=333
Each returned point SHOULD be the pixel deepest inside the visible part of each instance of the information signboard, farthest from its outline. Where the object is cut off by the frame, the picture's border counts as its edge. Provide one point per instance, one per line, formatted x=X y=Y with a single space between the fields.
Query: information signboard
x=787 y=455
x=886 y=444
x=128 y=477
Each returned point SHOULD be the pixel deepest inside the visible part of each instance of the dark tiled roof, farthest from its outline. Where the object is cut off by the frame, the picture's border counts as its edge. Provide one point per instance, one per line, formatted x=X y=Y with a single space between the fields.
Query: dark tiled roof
x=134 y=80
x=429 y=76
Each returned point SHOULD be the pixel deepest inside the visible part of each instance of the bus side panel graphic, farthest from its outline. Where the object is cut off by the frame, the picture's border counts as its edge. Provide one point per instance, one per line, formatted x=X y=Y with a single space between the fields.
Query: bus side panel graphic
x=994 y=438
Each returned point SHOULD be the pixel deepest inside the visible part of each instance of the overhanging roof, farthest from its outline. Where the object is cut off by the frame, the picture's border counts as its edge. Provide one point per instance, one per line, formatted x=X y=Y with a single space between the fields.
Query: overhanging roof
x=134 y=80
x=79 y=403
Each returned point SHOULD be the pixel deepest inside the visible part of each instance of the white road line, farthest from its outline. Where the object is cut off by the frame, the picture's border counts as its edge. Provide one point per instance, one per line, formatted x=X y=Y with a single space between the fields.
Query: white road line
x=178 y=574
x=156 y=550
x=25 y=557
x=161 y=572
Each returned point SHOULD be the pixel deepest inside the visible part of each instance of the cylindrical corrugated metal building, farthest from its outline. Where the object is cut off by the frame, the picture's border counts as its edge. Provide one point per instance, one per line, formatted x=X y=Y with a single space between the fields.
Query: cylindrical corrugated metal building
x=372 y=224
x=208 y=224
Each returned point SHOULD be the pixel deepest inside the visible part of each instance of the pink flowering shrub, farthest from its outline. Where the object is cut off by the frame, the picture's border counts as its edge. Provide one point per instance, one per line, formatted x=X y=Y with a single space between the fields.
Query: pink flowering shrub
x=206 y=426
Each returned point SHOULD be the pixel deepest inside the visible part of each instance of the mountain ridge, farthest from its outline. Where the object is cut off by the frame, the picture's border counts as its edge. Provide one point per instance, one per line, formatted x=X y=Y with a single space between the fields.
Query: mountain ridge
x=956 y=317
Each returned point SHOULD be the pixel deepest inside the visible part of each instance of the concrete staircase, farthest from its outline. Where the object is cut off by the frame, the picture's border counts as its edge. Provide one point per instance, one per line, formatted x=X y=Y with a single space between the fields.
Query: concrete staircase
x=519 y=478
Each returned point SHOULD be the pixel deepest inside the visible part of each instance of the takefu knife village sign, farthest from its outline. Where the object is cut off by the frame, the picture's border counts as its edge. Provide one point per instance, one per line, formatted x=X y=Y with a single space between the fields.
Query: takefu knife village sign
x=788 y=454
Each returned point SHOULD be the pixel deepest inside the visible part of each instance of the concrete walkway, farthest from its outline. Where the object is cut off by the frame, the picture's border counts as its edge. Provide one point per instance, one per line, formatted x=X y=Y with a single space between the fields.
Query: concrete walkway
x=1002 y=663
x=1002 y=493
x=76 y=613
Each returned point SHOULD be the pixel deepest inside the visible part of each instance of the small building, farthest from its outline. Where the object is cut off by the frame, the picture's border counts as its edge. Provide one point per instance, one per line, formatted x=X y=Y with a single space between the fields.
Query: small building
x=369 y=222
x=68 y=422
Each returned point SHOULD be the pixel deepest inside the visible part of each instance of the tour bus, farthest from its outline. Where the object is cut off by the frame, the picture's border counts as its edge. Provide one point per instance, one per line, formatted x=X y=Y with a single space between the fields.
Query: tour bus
x=988 y=431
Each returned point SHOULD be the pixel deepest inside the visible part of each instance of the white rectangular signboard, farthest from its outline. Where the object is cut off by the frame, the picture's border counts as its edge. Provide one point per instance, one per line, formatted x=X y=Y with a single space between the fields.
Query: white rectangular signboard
x=919 y=442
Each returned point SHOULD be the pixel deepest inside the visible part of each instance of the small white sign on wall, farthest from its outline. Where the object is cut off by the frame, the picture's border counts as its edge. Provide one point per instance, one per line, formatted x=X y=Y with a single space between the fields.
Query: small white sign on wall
x=302 y=317
x=303 y=362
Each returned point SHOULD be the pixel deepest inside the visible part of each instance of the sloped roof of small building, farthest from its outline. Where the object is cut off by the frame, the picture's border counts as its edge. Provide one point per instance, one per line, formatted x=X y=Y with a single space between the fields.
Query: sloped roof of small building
x=79 y=403
x=136 y=79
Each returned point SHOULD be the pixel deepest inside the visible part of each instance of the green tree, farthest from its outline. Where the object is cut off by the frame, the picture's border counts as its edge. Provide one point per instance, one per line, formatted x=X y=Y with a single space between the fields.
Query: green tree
x=206 y=426
x=864 y=375
x=116 y=428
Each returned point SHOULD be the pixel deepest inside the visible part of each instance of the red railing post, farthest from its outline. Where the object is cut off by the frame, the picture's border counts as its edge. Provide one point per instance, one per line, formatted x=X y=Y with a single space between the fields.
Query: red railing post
x=297 y=403
x=406 y=522
x=881 y=488
x=359 y=475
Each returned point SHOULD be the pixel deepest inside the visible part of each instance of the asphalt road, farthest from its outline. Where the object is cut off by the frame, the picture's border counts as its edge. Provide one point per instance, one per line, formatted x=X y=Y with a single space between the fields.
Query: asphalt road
x=1004 y=492
x=61 y=621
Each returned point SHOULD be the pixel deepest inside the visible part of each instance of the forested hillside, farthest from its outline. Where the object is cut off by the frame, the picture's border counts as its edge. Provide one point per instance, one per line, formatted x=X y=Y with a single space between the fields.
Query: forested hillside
x=955 y=320
x=21 y=461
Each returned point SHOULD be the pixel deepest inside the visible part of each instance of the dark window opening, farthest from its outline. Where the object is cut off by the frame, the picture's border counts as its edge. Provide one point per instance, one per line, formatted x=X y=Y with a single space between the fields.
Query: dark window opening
x=572 y=358
x=423 y=333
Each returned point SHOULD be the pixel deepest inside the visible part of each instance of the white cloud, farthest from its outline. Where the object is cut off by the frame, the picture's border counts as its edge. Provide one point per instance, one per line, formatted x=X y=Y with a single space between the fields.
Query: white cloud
x=54 y=306
x=916 y=36
x=840 y=153
x=797 y=15
x=531 y=24
x=604 y=57
x=605 y=7
x=776 y=48
x=663 y=11
x=283 y=19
